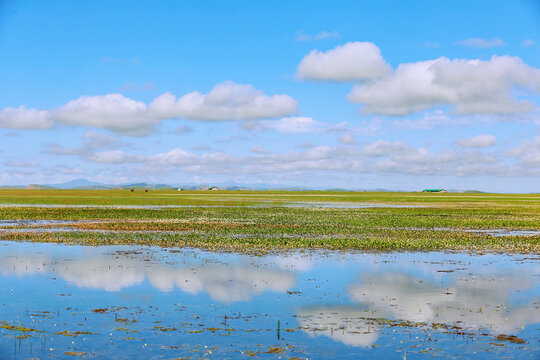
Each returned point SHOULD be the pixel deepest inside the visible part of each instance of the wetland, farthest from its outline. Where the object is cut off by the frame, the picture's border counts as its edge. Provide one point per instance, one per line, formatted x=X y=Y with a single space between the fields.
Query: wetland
x=117 y=275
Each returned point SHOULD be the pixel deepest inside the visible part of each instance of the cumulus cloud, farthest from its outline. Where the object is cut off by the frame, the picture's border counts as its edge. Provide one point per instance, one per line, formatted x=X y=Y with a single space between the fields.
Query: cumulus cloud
x=25 y=119
x=125 y=116
x=479 y=141
x=479 y=43
x=114 y=112
x=350 y=62
x=470 y=86
x=226 y=101
x=175 y=157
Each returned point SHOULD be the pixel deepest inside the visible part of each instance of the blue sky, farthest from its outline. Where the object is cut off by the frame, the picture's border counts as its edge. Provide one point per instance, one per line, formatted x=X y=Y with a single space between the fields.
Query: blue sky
x=390 y=94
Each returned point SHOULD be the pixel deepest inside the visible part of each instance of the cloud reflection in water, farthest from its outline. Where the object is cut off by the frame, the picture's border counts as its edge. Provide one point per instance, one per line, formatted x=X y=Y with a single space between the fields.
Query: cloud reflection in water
x=472 y=303
x=114 y=272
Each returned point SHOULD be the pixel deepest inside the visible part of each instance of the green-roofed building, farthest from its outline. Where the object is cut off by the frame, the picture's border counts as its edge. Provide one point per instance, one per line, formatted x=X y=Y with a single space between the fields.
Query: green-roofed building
x=434 y=190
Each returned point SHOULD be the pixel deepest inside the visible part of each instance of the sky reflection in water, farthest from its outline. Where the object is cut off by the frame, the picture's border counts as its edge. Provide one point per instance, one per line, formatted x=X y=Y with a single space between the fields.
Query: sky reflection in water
x=142 y=302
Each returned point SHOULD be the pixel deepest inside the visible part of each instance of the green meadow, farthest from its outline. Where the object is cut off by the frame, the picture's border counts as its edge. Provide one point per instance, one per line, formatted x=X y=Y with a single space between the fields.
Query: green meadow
x=267 y=221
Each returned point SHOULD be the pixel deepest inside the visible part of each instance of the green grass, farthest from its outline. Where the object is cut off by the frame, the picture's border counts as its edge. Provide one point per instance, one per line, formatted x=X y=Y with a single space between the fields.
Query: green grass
x=168 y=197
x=439 y=223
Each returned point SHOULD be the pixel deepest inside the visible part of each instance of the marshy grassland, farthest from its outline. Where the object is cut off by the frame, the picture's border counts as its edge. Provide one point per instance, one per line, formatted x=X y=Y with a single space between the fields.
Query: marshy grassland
x=269 y=221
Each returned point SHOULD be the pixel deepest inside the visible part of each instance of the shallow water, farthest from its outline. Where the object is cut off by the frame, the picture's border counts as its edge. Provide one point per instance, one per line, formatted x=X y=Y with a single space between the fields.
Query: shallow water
x=52 y=226
x=492 y=232
x=23 y=222
x=330 y=205
x=132 y=302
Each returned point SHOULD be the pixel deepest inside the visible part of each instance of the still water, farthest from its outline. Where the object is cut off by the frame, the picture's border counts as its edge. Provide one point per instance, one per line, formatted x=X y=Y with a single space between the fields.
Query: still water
x=132 y=302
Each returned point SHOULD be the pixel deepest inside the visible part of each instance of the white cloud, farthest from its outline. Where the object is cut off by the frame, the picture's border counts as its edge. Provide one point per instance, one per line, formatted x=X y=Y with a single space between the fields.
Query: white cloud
x=350 y=62
x=470 y=86
x=226 y=101
x=293 y=125
x=96 y=140
x=479 y=141
x=347 y=139
x=122 y=115
x=434 y=119
x=92 y=141
x=258 y=150
x=383 y=148
x=115 y=157
x=528 y=152
x=301 y=36
x=114 y=112
x=380 y=157
x=175 y=157
x=56 y=149
x=479 y=43
x=528 y=43
x=25 y=119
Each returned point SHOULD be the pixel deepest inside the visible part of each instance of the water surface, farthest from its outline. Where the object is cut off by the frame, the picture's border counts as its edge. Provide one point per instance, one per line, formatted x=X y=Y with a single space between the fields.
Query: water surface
x=132 y=302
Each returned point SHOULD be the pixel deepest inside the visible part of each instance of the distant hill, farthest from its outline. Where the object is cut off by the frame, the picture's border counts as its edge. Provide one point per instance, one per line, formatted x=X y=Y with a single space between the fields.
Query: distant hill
x=38 y=187
x=77 y=184
x=84 y=184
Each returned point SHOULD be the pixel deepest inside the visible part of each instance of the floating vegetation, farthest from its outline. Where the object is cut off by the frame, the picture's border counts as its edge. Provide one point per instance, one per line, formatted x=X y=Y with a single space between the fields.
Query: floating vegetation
x=511 y=338
x=75 y=353
x=73 y=333
x=20 y=328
